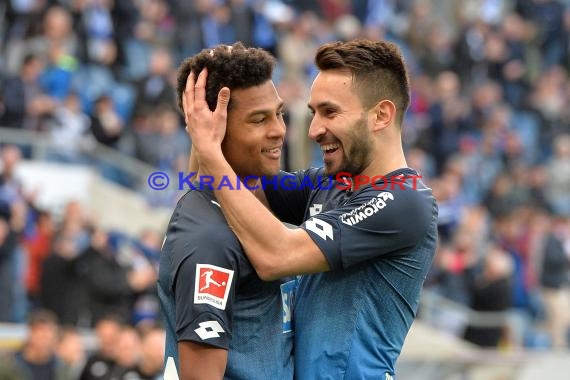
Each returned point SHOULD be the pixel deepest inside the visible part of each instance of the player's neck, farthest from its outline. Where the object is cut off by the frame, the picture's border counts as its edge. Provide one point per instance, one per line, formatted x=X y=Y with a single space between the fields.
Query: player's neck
x=386 y=161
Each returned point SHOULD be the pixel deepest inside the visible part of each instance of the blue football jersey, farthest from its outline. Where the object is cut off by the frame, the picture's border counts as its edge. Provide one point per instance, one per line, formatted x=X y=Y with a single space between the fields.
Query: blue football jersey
x=210 y=294
x=379 y=241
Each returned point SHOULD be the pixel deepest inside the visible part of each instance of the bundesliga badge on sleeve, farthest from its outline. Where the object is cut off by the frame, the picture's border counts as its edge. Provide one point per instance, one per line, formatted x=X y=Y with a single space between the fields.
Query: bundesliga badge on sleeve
x=213 y=285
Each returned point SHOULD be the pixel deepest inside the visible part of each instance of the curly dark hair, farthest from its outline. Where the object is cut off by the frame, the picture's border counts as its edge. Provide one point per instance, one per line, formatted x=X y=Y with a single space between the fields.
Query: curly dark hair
x=377 y=67
x=235 y=67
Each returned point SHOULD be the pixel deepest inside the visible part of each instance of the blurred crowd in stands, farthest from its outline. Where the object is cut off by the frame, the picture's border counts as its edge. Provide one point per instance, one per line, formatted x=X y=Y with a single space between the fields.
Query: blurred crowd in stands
x=50 y=351
x=488 y=128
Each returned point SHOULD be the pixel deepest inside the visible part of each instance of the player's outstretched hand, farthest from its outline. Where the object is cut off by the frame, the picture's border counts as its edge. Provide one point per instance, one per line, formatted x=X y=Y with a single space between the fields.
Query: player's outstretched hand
x=206 y=128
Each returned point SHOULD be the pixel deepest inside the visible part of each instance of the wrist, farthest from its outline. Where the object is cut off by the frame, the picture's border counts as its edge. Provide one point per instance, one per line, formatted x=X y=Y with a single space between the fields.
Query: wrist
x=209 y=154
x=212 y=162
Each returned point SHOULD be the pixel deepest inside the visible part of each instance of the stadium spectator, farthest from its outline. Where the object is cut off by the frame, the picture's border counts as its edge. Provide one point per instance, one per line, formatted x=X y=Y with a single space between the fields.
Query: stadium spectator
x=71 y=352
x=128 y=352
x=491 y=291
x=164 y=144
x=151 y=365
x=68 y=131
x=8 y=249
x=37 y=245
x=558 y=177
x=111 y=286
x=106 y=125
x=555 y=281
x=13 y=212
x=62 y=289
x=54 y=31
x=38 y=356
x=24 y=103
x=102 y=365
x=155 y=88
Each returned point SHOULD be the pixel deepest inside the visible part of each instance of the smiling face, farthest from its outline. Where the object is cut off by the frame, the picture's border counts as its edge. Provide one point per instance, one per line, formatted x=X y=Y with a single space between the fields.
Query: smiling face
x=340 y=124
x=255 y=132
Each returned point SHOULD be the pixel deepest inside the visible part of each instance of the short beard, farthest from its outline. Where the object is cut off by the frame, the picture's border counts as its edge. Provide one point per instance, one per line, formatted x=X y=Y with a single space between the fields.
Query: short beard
x=359 y=155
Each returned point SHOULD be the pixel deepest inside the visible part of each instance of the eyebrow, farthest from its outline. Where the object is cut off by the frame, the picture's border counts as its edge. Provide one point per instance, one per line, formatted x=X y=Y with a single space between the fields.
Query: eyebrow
x=324 y=104
x=265 y=111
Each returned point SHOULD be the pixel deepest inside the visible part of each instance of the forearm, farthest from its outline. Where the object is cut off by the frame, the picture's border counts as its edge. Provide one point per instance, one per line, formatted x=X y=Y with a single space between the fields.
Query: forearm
x=273 y=249
x=193 y=161
x=201 y=362
x=264 y=238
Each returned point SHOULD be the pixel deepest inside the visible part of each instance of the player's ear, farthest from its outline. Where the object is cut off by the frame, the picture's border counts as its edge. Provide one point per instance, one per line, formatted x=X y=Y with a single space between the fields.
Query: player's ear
x=384 y=114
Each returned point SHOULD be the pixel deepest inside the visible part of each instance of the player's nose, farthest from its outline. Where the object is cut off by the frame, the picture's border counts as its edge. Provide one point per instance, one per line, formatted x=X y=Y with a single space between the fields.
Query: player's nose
x=277 y=129
x=317 y=128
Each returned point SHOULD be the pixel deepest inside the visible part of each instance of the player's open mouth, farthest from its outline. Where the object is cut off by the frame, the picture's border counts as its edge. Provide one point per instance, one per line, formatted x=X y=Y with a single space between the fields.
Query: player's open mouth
x=274 y=152
x=329 y=149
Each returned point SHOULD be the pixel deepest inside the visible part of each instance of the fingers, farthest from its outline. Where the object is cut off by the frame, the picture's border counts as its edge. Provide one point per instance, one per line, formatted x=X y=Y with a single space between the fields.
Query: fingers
x=197 y=115
x=189 y=90
x=200 y=89
x=223 y=97
x=188 y=97
x=222 y=104
x=221 y=111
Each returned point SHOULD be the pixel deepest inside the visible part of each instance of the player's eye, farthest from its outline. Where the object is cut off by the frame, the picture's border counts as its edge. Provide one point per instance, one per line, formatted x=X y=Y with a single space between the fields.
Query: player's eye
x=329 y=112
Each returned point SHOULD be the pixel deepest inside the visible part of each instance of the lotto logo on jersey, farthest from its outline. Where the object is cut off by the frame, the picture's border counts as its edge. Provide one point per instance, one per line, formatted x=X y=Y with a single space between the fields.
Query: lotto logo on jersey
x=315 y=209
x=213 y=285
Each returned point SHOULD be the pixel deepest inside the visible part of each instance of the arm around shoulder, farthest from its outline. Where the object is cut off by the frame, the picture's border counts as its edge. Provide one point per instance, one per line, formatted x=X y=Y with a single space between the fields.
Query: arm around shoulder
x=292 y=252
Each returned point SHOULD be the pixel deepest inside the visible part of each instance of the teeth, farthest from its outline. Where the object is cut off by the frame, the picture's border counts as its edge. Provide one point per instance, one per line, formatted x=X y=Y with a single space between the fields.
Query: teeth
x=271 y=150
x=327 y=147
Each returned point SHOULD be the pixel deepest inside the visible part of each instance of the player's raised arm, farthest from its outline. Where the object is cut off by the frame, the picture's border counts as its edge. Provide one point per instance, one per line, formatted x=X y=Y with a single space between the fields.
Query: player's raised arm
x=273 y=249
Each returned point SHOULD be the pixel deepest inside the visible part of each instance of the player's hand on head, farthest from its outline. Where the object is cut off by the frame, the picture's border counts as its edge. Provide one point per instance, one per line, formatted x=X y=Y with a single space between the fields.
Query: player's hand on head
x=188 y=98
x=206 y=128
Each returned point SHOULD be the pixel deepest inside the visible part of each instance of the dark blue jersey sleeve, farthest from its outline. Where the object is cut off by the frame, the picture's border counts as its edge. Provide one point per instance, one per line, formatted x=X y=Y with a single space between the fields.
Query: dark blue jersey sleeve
x=204 y=288
x=288 y=193
x=372 y=223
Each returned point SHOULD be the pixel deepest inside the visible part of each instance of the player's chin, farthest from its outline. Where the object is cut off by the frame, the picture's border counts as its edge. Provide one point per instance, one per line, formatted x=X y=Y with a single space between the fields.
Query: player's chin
x=331 y=169
x=272 y=171
x=271 y=167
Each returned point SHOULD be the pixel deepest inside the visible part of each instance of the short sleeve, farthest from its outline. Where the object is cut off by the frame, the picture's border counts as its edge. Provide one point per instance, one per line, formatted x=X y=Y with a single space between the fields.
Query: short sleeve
x=204 y=290
x=372 y=224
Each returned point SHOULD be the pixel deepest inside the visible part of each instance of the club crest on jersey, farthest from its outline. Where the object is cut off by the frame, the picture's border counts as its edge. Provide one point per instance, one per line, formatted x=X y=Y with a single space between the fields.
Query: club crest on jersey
x=213 y=285
x=288 y=298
